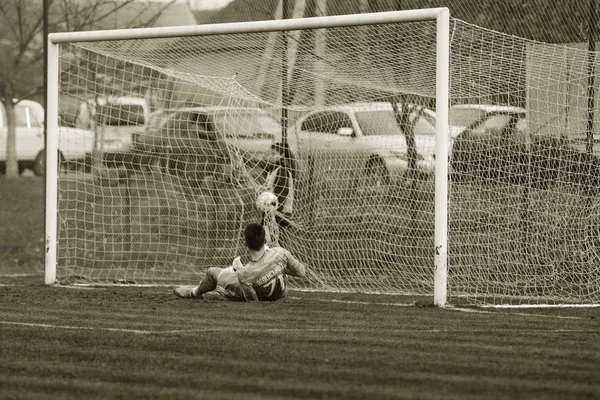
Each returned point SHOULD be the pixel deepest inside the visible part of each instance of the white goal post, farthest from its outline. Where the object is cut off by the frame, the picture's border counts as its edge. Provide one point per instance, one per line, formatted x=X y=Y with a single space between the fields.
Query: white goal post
x=442 y=55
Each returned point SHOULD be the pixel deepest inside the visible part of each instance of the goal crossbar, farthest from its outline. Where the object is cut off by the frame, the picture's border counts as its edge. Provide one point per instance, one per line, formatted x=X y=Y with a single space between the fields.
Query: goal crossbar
x=379 y=18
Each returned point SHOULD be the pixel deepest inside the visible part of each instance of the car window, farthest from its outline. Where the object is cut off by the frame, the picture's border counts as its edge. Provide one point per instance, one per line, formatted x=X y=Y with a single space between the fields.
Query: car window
x=34 y=120
x=311 y=123
x=188 y=123
x=249 y=124
x=22 y=117
x=333 y=121
x=112 y=114
x=464 y=117
x=493 y=124
x=327 y=122
x=378 y=122
x=424 y=125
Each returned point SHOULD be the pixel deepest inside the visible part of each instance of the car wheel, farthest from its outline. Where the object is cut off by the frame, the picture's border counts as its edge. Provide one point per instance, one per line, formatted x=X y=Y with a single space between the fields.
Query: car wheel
x=39 y=164
x=377 y=172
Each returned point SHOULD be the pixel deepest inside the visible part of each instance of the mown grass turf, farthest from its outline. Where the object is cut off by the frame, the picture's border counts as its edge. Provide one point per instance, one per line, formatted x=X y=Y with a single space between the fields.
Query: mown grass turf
x=21 y=225
x=146 y=343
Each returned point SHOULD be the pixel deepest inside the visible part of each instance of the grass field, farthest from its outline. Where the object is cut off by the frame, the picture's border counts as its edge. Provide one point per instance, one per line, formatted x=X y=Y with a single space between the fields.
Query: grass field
x=21 y=225
x=60 y=342
x=130 y=342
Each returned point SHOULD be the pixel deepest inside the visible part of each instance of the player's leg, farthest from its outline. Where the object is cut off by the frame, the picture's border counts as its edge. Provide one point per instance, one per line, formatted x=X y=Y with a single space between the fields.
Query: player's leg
x=229 y=287
x=207 y=284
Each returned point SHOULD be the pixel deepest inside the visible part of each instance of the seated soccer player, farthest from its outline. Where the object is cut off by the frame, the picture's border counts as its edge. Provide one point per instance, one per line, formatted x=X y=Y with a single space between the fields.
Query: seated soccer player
x=263 y=278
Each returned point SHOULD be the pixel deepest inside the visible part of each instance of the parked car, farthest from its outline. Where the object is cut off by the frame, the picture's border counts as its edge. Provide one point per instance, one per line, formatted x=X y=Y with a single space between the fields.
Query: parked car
x=369 y=135
x=494 y=145
x=74 y=145
x=206 y=138
x=115 y=120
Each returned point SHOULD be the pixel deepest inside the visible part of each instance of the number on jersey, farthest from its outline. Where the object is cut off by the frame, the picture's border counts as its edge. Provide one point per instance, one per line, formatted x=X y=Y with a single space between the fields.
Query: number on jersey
x=273 y=283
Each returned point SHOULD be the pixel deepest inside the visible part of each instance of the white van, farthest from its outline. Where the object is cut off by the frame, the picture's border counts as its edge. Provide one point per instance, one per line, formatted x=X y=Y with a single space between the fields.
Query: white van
x=116 y=120
x=74 y=145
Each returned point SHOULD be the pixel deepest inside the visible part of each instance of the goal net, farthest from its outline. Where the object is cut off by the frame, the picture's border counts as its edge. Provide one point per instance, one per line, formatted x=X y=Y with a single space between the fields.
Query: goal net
x=188 y=130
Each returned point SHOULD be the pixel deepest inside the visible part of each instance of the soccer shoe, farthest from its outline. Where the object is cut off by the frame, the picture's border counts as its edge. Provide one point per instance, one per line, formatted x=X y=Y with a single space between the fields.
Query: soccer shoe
x=185 y=292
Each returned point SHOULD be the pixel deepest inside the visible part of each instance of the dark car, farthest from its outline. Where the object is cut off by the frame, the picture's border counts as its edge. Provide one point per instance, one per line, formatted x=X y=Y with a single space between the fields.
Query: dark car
x=495 y=146
x=206 y=140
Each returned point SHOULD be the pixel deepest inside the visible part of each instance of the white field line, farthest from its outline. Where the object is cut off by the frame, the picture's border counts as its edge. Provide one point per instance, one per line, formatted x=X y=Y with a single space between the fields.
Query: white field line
x=452 y=308
x=355 y=302
x=513 y=306
x=478 y=311
x=466 y=310
x=158 y=332
x=272 y=330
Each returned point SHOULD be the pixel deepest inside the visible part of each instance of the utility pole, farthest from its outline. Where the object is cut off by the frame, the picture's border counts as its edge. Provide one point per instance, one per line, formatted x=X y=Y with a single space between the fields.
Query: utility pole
x=592 y=22
x=320 y=47
x=285 y=89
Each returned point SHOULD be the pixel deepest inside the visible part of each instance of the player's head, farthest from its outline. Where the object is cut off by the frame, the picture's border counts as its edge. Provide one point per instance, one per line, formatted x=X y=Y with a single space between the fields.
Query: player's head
x=255 y=236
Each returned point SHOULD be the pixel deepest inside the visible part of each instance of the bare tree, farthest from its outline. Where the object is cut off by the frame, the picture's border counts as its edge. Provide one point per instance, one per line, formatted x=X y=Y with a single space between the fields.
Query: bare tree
x=22 y=51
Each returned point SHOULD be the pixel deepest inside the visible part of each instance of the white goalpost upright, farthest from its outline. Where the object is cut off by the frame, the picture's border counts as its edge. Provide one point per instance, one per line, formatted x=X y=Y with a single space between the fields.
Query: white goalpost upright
x=442 y=86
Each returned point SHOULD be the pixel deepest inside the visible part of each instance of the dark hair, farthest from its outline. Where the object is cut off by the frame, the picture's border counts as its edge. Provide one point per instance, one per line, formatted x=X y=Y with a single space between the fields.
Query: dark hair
x=255 y=236
x=287 y=157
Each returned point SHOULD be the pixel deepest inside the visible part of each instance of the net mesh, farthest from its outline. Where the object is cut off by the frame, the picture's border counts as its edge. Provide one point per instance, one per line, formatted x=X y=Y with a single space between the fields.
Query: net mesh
x=184 y=130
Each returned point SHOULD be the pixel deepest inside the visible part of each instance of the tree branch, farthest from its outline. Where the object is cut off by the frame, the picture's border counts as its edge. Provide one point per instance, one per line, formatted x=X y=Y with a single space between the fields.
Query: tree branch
x=153 y=18
x=12 y=27
x=29 y=93
x=107 y=13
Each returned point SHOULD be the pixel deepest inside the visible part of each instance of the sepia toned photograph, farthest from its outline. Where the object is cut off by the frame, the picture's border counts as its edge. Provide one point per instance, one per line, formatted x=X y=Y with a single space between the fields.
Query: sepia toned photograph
x=300 y=199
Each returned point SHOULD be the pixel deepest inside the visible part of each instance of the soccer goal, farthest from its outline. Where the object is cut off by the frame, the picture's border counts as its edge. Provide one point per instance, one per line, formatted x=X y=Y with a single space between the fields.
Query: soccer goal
x=405 y=138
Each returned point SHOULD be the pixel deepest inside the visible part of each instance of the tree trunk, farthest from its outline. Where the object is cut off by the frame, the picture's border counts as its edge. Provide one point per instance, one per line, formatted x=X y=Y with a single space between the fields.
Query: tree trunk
x=402 y=116
x=12 y=167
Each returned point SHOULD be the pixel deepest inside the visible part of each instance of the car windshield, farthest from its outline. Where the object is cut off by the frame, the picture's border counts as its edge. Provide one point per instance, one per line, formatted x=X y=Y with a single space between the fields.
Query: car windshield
x=120 y=114
x=494 y=124
x=464 y=117
x=378 y=122
x=246 y=124
x=425 y=125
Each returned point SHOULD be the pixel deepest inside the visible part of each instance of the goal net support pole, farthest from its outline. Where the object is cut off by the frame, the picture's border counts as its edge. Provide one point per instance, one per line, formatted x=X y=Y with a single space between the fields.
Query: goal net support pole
x=440 y=15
